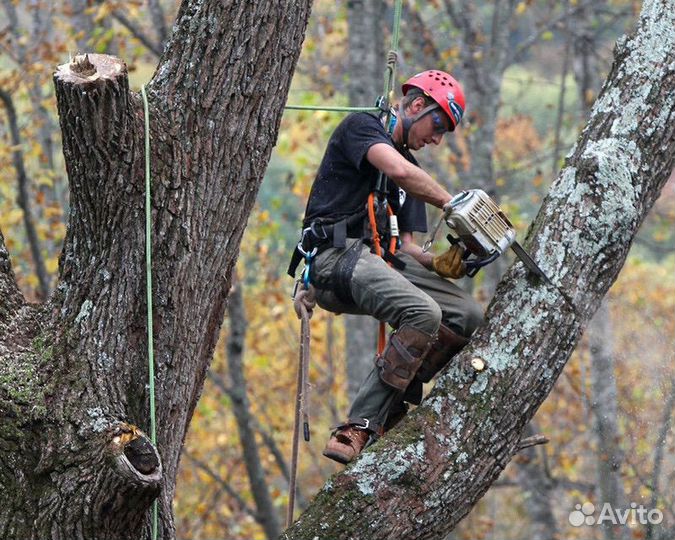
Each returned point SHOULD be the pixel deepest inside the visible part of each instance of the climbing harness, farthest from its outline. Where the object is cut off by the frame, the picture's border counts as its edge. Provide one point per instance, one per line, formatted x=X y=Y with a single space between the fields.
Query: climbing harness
x=148 y=281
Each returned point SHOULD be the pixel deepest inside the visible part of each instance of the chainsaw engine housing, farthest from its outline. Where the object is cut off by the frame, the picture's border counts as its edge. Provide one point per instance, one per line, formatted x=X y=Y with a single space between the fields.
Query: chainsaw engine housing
x=480 y=224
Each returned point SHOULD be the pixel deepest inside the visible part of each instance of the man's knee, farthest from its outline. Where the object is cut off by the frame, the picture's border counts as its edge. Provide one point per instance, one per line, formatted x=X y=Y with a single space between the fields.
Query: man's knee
x=425 y=317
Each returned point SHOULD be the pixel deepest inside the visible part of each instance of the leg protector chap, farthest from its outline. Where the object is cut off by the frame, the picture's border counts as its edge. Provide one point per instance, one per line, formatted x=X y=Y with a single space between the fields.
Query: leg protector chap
x=447 y=345
x=403 y=356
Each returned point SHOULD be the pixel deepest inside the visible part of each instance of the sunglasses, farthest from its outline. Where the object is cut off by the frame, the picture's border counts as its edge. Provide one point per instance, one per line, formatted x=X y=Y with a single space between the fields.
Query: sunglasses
x=439 y=126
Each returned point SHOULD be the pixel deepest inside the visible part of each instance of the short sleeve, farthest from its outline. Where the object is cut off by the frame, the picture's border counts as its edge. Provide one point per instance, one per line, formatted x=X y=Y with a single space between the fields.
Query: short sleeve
x=359 y=133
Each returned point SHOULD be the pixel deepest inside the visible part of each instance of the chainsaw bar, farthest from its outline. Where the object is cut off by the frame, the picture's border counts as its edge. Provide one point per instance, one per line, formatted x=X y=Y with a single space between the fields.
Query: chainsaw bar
x=528 y=262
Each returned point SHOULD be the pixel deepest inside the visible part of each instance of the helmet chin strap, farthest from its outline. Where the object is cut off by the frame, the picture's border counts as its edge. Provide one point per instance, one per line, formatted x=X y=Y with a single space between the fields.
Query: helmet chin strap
x=408 y=121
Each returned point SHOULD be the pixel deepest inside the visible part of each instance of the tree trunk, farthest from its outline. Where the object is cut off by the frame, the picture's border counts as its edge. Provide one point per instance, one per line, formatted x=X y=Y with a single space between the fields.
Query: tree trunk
x=158 y=21
x=365 y=19
x=421 y=479
x=73 y=372
x=658 y=462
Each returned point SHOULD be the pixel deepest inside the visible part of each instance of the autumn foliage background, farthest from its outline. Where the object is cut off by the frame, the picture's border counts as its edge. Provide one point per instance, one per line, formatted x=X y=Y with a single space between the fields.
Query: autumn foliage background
x=214 y=498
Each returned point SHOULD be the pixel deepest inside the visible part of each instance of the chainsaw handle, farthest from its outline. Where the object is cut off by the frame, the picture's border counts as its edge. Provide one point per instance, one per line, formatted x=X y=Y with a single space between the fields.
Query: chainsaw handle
x=473 y=265
x=476 y=264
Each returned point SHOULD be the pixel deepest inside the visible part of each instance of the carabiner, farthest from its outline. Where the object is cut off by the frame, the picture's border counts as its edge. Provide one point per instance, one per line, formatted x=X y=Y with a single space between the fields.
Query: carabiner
x=308 y=263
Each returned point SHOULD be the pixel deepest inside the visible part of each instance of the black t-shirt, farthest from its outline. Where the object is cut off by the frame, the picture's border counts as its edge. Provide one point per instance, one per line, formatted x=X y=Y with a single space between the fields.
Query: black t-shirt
x=346 y=178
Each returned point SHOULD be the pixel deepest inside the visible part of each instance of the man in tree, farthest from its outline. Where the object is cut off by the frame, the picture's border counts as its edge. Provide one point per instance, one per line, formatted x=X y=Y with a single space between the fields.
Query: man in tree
x=432 y=317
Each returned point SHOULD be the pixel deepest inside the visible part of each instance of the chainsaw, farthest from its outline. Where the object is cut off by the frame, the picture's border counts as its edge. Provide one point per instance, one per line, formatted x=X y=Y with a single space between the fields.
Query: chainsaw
x=483 y=230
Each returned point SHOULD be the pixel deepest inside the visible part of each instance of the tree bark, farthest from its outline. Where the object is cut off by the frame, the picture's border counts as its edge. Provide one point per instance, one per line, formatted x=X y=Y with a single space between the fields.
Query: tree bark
x=73 y=372
x=421 y=479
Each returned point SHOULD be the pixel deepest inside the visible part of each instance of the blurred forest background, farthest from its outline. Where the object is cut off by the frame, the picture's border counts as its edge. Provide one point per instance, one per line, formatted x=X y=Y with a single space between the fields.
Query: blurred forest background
x=531 y=71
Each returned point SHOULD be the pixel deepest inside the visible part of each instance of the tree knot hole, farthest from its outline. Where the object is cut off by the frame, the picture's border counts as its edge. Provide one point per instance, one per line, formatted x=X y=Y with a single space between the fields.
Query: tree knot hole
x=137 y=448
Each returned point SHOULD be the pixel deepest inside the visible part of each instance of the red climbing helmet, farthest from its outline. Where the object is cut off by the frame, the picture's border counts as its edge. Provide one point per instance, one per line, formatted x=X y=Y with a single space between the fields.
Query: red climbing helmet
x=443 y=89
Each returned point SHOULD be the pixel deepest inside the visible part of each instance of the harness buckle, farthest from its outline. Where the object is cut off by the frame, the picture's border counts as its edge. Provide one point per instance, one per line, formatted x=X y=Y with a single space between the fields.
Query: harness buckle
x=312 y=228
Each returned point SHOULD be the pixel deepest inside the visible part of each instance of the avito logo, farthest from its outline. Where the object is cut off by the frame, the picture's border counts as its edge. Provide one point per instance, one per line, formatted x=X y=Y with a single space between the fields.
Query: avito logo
x=584 y=514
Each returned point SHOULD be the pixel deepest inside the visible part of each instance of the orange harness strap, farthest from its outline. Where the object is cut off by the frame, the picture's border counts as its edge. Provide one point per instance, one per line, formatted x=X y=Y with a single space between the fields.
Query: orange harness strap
x=381 y=337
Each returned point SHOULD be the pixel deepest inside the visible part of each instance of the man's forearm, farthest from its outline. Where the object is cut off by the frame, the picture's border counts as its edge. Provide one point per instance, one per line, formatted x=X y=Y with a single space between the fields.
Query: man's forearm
x=419 y=184
x=406 y=175
x=415 y=251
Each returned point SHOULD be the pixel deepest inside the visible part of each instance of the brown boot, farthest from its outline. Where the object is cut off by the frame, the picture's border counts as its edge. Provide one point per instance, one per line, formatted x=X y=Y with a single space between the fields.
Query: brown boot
x=347 y=441
x=447 y=345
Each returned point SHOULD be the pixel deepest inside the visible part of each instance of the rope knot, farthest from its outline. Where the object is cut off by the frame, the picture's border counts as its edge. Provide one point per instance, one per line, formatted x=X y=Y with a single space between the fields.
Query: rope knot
x=305 y=299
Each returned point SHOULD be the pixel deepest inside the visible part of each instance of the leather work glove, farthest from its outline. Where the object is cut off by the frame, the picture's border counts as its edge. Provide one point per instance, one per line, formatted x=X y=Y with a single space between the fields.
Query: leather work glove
x=450 y=264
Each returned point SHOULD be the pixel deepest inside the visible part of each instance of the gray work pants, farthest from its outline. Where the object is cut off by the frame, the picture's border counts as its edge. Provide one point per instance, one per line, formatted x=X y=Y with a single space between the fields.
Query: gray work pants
x=414 y=296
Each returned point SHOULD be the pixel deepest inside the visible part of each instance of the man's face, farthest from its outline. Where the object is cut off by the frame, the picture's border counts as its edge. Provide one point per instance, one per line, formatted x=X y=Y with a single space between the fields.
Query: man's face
x=429 y=129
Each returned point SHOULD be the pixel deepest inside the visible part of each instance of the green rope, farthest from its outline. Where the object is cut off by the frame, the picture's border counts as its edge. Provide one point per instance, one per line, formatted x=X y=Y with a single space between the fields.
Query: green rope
x=391 y=65
x=329 y=109
x=148 y=281
x=398 y=8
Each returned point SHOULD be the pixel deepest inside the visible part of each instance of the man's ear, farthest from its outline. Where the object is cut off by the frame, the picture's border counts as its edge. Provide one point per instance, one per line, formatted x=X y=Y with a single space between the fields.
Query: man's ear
x=417 y=105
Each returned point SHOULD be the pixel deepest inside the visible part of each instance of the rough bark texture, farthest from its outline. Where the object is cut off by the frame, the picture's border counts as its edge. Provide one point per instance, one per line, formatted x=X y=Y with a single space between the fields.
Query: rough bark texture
x=421 y=479
x=73 y=372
